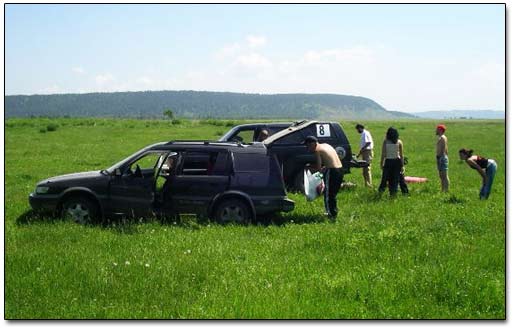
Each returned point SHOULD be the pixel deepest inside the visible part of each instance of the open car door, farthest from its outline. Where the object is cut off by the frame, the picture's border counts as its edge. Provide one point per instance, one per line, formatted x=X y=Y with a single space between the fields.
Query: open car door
x=135 y=186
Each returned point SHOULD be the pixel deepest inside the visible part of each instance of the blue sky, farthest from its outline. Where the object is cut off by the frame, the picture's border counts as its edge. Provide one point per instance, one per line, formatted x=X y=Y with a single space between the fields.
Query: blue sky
x=406 y=57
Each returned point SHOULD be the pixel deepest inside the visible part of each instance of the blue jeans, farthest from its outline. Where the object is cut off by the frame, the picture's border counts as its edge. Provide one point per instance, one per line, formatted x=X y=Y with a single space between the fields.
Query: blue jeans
x=490 y=172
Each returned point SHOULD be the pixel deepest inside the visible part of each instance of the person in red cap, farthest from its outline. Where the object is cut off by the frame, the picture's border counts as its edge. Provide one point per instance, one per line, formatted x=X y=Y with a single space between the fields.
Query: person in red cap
x=442 y=157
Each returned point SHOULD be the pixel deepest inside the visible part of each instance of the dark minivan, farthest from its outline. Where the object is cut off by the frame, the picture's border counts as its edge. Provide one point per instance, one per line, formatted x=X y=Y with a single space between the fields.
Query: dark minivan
x=228 y=182
x=285 y=142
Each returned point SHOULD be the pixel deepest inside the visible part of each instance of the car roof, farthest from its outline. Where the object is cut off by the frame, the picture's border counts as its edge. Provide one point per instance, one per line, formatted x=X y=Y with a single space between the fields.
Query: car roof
x=211 y=145
x=268 y=124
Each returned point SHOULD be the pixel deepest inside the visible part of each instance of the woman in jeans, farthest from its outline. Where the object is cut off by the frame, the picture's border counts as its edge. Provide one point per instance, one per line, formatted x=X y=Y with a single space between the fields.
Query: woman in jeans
x=391 y=161
x=485 y=167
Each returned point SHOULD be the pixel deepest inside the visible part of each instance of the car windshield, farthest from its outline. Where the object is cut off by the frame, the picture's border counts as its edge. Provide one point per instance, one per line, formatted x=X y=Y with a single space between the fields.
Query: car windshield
x=225 y=137
x=111 y=169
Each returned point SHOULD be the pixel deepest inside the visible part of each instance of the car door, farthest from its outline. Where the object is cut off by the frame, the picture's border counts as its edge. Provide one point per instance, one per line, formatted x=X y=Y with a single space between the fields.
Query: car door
x=201 y=176
x=132 y=191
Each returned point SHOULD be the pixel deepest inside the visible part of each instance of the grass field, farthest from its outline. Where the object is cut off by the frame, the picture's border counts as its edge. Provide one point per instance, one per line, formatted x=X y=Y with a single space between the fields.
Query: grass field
x=426 y=256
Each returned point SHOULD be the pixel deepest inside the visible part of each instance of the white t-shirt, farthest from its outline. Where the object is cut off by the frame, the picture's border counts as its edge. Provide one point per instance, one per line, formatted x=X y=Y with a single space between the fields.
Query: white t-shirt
x=365 y=138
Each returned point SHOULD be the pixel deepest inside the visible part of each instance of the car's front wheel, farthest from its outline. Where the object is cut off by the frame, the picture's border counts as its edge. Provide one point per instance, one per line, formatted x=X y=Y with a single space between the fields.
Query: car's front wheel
x=81 y=210
x=232 y=211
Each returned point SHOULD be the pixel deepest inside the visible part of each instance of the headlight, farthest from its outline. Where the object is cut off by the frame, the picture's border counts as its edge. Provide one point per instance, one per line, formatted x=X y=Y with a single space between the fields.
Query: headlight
x=42 y=189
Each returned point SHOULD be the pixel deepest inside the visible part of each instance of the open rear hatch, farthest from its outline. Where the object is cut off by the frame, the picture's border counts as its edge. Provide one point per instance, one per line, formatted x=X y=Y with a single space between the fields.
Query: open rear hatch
x=287 y=131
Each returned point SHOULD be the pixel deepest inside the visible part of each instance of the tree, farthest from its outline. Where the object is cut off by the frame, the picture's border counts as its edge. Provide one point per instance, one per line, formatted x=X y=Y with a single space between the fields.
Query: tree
x=168 y=113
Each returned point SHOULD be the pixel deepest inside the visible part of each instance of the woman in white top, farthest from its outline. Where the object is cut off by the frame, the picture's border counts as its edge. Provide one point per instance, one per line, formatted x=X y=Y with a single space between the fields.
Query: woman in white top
x=391 y=161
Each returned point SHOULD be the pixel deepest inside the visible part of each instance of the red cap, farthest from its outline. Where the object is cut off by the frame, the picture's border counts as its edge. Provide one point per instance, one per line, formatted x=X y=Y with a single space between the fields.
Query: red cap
x=442 y=127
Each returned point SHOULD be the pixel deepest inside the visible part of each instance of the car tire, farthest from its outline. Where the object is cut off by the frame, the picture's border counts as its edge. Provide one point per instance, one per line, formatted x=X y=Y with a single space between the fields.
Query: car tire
x=81 y=210
x=233 y=211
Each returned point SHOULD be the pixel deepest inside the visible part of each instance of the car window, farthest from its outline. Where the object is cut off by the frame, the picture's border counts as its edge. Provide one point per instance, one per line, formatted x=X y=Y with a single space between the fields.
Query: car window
x=247 y=162
x=243 y=136
x=147 y=162
x=167 y=163
x=204 y=163
x=273 y=130
x=166 y=167
x=220 y=167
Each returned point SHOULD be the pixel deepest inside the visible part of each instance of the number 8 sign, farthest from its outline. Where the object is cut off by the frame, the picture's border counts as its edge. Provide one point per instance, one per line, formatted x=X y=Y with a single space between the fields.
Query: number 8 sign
x=323 y=130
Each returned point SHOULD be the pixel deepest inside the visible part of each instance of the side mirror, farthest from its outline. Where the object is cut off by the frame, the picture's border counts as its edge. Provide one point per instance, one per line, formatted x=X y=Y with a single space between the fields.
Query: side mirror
x=117 y=172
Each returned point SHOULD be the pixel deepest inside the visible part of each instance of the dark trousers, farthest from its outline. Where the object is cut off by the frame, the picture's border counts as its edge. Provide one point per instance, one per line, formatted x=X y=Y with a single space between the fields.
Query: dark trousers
x=391 y=176
x=403 y=185
x=333 y=177
x=401 y=181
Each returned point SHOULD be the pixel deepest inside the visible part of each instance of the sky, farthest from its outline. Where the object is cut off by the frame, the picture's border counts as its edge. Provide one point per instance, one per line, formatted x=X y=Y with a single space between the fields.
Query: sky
x=407 y=58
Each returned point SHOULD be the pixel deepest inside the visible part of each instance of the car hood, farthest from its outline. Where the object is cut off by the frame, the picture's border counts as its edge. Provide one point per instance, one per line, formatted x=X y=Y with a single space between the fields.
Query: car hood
x=72 y=177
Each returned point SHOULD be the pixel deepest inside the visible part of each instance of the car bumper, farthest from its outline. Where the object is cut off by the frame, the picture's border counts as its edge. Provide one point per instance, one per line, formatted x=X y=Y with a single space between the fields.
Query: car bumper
x=358 y=164
x=43 y=203
x=287 y=205
x=268 y=206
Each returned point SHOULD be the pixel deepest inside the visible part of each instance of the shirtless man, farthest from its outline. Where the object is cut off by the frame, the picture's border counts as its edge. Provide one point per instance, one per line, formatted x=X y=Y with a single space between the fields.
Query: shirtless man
x=329 y=164
x=442 y=157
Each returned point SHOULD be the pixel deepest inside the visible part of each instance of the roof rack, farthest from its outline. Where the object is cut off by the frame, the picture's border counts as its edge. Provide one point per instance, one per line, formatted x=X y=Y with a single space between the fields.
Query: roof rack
x=203 y=142
x=297 y=123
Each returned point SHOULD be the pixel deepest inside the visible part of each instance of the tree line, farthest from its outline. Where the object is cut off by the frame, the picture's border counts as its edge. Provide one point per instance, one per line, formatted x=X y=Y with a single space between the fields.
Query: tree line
x=196 y=105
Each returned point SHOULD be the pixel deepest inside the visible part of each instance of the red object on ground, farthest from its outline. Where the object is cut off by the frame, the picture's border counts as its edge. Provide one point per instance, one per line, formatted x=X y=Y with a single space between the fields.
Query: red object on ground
x=411 y=179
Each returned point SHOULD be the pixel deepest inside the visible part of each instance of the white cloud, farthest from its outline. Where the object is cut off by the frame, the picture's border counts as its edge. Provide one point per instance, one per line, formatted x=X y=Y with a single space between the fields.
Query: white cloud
x=253 y=60
x=195 y=76
x=334 y=70
x=351 y=56
x=146 y=80
x=233 y=50
x=78 y=70
x=490 y=71
x=103 y=79
x=254 y=41
x=53 y=89
x=228 y=51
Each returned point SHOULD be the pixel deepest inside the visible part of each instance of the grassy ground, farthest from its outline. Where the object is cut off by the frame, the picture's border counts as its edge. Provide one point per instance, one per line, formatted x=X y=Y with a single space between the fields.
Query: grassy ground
x=428 y=255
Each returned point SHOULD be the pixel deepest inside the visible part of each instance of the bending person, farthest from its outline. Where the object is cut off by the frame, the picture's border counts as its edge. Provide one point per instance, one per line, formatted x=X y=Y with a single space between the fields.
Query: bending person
x=485 y=167
x=328 y=162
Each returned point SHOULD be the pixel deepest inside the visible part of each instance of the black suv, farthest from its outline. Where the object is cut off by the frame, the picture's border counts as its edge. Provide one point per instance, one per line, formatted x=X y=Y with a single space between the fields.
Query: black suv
x=285 y=142
x=229 y=182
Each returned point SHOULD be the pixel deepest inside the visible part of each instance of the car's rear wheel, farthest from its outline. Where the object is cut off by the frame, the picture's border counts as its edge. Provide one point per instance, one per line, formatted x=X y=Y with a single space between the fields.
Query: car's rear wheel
x=81 y=210
x=233 y=211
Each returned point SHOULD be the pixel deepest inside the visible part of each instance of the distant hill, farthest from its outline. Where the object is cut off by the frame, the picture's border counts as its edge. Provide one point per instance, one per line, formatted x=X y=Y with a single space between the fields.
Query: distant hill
x=199 y=104
x=462 y=114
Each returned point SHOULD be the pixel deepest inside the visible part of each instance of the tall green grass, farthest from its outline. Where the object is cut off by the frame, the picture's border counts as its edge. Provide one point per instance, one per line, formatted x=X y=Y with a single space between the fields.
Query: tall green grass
x=425 y=256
